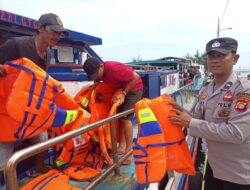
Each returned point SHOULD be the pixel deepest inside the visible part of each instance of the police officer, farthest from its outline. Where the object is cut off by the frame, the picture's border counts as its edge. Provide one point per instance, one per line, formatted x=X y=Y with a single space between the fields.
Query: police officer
x=222 y=118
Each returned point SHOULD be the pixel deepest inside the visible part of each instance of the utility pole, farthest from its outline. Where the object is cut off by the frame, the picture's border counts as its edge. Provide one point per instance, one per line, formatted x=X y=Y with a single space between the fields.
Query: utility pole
x=218 y=28
x=219 y=23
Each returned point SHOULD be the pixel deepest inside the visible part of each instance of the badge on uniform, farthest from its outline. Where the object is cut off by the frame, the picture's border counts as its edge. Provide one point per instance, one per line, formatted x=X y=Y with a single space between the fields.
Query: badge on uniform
x=228 y=96
x=241 y=104
x=223 y=113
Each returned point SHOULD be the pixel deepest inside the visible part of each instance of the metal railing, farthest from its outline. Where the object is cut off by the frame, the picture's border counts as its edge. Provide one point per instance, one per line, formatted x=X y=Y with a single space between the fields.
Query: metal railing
x=11 y=166
x=17 y=157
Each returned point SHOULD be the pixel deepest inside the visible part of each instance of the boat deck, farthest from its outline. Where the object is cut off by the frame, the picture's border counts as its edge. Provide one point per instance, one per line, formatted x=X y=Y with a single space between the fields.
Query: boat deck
x=124 y=182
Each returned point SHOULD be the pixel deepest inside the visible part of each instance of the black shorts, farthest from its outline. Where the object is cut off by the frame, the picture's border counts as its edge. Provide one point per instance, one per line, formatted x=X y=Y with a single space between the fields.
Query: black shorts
x=130 y=100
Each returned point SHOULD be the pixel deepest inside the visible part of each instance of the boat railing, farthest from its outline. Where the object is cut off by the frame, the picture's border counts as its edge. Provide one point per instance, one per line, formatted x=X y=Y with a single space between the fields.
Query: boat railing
x=11 y=166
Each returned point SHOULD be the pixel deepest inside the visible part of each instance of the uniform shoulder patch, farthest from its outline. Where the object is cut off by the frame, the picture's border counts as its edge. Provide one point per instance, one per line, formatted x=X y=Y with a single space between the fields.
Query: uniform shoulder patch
x=242 y=101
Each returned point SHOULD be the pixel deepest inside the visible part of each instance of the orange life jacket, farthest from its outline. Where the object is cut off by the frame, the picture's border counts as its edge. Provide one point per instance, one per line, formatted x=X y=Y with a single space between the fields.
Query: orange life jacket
x=98 y=100
x=85 y=163
x=148 y=148
x=81 y=173
x=90 y=149
x=52 y=180
x=31 y=101
x=89 y=155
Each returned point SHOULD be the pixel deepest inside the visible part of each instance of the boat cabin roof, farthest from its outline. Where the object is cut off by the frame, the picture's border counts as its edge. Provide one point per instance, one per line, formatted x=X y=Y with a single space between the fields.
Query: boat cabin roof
x=159 y=63
x=17 y=25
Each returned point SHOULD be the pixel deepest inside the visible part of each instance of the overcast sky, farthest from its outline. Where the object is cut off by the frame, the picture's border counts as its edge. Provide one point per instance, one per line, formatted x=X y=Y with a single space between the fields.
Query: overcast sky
x=148 y=29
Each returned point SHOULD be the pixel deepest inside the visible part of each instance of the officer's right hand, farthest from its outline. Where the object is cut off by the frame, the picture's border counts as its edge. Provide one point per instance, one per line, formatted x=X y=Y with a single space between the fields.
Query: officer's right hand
x=3 y=73
x=180 y=118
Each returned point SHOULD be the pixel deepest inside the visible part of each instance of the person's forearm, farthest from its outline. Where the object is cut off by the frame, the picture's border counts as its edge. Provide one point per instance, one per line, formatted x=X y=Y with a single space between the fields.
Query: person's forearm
x=131 y=84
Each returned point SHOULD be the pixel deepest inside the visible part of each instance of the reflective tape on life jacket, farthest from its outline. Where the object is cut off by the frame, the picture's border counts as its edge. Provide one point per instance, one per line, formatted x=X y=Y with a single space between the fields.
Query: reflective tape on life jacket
x=83 y=97
x=64 y=117
x=33 y=101
x=160 y=145
x=146 y=115
x=51 y=180
x=85 y=102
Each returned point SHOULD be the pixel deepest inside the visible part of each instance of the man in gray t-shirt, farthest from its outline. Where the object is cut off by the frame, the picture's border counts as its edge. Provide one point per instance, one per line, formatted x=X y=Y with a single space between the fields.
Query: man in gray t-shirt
x=36 y=48
x=24 y=46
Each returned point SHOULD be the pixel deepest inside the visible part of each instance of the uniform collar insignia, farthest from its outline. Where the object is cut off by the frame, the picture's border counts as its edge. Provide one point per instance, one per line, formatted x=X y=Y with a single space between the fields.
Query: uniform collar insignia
x=227 y=85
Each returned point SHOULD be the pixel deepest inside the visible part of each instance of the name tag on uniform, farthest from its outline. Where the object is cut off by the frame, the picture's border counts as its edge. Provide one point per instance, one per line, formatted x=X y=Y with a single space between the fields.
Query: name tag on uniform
x=223 y=113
